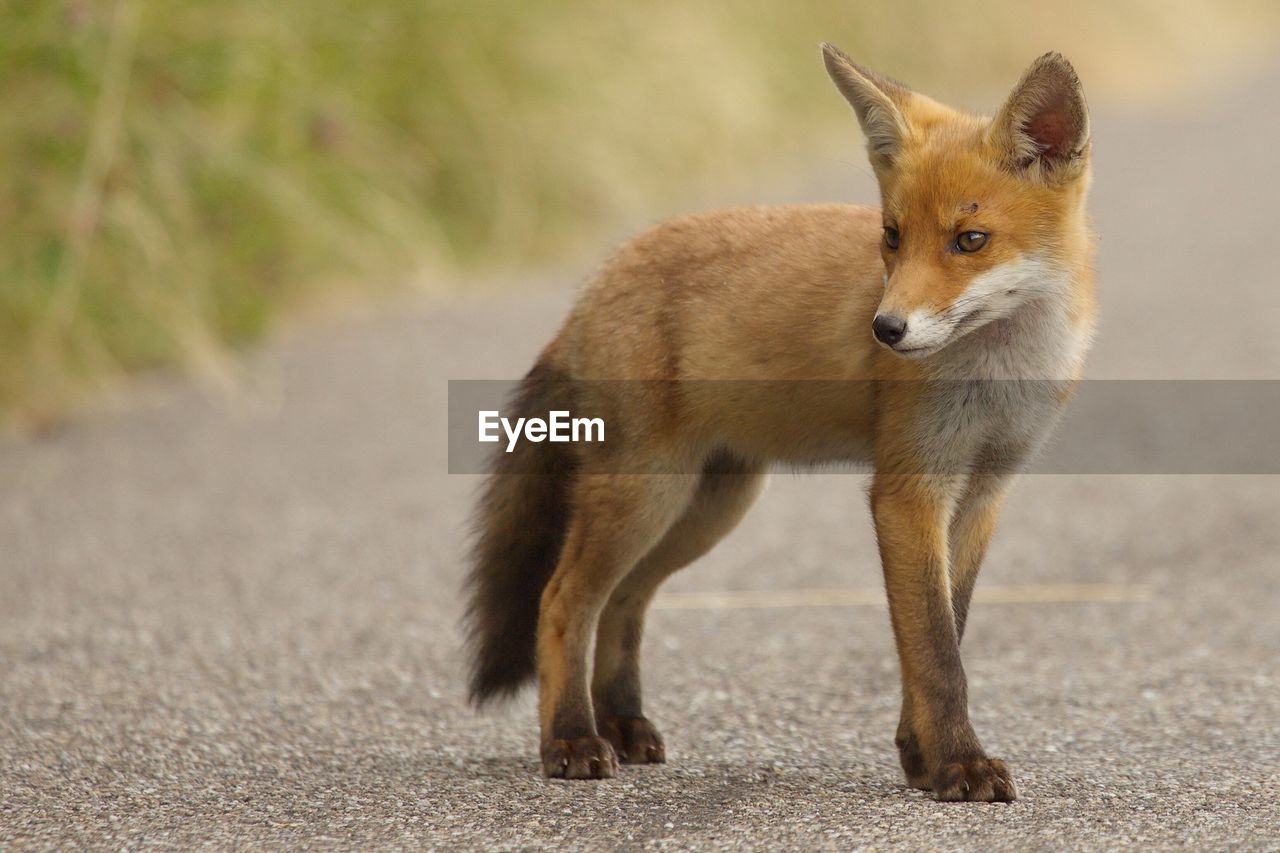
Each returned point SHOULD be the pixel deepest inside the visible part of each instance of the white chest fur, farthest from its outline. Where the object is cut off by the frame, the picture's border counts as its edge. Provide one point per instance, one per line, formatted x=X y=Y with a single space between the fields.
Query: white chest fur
x=995 y=394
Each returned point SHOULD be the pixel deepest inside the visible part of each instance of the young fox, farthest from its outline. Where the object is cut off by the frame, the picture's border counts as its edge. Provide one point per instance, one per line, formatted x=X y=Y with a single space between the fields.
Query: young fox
x=948 y=327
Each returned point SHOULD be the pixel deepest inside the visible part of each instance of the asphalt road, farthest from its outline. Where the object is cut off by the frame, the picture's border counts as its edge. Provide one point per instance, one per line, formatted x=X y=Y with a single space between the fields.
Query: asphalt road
x=235 y=623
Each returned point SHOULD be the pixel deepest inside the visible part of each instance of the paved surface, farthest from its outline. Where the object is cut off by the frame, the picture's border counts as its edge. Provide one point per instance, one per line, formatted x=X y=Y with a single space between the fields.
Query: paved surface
x=236 y=625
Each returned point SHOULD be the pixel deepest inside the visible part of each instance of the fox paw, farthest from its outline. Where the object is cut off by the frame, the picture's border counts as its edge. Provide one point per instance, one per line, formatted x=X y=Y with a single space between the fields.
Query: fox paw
x=635 y=740
x=984 y=780
x=580 y=758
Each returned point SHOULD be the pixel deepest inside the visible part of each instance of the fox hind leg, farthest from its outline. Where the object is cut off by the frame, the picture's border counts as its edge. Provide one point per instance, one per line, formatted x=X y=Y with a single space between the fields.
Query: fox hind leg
x=617 y=519
x=724 y=494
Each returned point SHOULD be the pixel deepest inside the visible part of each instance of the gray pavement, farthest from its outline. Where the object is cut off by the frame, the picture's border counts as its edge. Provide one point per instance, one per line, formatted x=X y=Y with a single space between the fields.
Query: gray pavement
x=235 y=624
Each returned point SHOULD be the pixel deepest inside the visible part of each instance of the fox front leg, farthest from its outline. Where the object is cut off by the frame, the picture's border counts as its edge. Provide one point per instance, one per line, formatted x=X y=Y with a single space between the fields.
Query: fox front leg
x=912 y=514
x=972 y=524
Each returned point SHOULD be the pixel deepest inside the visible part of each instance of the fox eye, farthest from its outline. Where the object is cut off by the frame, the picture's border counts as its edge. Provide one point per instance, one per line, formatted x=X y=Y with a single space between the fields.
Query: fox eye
x=971 y=241
x=891 y=238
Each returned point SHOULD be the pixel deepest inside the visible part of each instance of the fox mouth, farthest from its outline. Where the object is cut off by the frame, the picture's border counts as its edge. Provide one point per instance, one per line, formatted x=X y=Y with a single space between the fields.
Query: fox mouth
x=955 y=329
x=919 y=352
x=965 y=324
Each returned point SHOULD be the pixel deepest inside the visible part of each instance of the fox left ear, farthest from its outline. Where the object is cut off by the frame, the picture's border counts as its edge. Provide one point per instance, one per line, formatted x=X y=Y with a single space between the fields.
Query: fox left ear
x=876 y=100
x=1043 y=128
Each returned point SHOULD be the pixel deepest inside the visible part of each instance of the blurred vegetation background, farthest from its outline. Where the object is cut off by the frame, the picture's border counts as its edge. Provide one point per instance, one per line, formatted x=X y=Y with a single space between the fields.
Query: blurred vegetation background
x=177 y=175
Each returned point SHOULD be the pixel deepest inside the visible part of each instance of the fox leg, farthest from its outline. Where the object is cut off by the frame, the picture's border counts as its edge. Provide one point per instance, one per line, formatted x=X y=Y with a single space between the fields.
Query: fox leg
x=971 y=530
x=722 y=498
x=617 y=519
x=972 y=525
x=912 y=515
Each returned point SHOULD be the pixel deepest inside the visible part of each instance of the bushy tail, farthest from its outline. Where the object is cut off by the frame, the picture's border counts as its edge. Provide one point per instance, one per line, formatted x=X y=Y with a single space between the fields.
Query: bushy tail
x=519 y=528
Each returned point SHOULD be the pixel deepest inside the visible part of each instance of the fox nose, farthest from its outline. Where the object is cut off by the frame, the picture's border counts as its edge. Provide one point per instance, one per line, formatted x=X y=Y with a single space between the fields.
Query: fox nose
x=888 y=328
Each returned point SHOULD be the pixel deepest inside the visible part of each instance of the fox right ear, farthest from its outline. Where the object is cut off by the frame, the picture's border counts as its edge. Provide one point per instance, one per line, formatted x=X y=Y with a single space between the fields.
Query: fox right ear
x=875 y=101
x=1043 y=128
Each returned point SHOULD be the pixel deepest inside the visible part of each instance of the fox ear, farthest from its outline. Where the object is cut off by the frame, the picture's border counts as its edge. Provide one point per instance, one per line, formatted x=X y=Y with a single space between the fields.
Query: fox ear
x=1043 y=128
x=875 y=99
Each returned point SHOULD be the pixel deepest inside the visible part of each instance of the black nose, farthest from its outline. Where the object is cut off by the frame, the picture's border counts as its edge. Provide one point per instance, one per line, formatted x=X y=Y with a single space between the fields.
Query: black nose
x=888 y=328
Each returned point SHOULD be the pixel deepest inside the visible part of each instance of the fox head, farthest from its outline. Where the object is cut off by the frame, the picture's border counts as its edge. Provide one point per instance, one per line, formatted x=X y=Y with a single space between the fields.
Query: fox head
x=981 y=215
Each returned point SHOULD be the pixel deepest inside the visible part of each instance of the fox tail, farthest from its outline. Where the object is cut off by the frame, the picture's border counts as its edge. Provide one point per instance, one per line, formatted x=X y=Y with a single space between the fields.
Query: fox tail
x=519 y=528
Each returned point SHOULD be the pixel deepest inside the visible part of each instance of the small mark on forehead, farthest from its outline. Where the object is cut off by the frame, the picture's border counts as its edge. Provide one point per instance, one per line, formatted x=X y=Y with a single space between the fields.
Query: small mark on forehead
x=971 y=207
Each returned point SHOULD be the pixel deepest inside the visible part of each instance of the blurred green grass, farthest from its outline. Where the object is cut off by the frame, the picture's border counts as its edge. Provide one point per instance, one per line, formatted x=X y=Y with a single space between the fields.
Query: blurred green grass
x=176 y=175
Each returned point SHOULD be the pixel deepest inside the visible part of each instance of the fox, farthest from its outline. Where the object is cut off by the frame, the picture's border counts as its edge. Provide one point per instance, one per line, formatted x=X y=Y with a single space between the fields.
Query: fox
x=935 y=339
